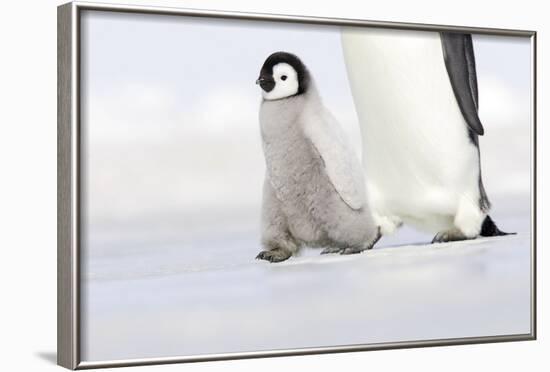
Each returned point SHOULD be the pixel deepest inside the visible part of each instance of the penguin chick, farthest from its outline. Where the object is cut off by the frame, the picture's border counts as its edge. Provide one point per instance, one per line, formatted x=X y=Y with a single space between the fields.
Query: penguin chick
x=314 y=188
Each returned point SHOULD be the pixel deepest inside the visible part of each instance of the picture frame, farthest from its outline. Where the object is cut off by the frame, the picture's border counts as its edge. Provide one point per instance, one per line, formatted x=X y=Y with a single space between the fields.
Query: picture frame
x=70 y=194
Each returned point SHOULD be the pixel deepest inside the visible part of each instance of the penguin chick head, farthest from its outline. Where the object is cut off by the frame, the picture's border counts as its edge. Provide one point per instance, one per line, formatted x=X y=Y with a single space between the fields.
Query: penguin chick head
x=283 y=75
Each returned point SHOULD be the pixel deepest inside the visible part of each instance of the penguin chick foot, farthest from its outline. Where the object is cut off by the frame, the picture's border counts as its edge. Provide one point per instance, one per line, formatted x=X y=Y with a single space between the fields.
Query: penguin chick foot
x=330 y=250
x=356 y=249
x=353 y=250
x=452 y=235
x=274 y=255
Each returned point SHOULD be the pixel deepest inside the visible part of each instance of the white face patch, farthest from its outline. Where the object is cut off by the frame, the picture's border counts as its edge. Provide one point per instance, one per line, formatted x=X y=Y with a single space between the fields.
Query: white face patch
x=286 y=82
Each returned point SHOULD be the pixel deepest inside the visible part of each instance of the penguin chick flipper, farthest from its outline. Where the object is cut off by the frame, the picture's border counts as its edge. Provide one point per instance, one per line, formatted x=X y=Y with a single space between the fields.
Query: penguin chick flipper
x=452 y=235
x=274 y=255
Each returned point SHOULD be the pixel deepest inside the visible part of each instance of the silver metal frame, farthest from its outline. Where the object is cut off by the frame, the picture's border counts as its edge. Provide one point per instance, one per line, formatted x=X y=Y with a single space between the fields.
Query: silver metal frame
x=69 y=184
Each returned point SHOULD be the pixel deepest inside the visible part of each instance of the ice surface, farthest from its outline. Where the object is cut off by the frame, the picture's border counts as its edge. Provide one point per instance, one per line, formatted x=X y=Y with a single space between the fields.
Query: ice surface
x=208 y=295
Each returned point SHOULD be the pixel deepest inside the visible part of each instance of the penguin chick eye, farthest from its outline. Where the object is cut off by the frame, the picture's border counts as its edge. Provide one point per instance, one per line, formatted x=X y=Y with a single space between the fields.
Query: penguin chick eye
x=283 y=78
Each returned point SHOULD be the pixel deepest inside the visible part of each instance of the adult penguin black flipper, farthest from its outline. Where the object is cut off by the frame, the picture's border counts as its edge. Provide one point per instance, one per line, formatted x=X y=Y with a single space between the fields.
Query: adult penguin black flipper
x=458 y=53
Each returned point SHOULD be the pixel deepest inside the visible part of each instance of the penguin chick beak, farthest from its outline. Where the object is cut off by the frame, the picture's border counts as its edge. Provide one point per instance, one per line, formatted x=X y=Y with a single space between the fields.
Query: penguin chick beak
x=267 y=84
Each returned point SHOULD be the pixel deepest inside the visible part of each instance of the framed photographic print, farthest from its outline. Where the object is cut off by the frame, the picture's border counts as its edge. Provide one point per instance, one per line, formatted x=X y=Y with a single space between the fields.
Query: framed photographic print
x=236 y=185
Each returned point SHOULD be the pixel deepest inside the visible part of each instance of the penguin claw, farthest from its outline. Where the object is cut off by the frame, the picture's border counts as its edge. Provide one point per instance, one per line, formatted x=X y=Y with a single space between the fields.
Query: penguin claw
x=274 y=255
x=446 y=236
x=351 y=250
x=330 y=250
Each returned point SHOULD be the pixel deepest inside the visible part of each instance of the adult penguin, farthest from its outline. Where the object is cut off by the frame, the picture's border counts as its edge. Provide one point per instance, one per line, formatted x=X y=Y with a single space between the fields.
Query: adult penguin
x=416 y=96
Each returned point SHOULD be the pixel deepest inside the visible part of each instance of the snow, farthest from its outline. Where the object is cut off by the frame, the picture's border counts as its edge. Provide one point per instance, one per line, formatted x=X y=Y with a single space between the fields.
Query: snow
x=201 y=295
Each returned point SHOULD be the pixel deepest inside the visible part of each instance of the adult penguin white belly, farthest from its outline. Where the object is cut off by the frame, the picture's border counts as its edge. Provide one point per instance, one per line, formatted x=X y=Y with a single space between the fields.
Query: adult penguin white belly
x=415 y=93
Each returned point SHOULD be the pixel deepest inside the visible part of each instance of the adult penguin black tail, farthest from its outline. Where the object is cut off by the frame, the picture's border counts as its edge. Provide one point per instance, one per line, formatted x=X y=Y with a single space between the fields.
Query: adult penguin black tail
x=489 y=228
